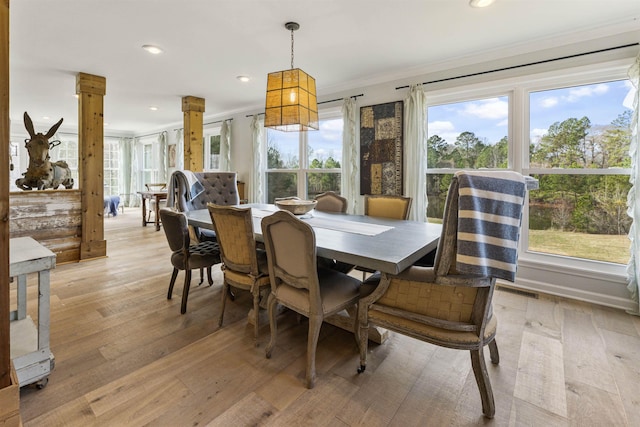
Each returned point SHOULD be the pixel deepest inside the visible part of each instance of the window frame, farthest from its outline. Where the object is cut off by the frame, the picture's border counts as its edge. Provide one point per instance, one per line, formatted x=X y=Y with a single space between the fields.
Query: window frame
x=206 y=147
x=519 y=88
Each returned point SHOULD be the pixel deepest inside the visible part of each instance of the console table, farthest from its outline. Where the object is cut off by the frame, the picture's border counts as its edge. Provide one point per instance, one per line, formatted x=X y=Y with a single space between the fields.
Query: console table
x=30 y=350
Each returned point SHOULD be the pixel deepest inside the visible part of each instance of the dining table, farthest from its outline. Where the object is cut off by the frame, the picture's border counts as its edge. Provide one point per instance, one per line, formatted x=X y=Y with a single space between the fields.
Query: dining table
x=156 y=196
x=382 y=244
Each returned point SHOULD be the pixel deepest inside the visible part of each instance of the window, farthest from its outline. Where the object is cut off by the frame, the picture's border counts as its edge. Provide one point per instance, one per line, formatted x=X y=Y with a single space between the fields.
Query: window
x=149 y=159
x=573 y=137
x=470 y=134
x=305 y=164
x=111 y=166
x=67 y=151
x=211 y=148
x=579 y=151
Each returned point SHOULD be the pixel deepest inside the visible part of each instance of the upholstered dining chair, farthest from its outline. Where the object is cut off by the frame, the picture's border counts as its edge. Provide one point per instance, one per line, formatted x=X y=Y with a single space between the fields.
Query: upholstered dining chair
x=297 y=282
x=186 y=256
x=385 y=206
x=330 y=201
x=194 y=190
x=449 y=304
x=243 y=266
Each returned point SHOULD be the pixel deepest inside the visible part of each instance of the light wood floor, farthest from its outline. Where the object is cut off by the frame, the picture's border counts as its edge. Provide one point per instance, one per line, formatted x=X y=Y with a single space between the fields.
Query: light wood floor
x=125 y=356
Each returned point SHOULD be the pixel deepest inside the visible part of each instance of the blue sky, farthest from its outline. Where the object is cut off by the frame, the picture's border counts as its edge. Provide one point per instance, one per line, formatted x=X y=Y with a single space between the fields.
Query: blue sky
x=487 y=118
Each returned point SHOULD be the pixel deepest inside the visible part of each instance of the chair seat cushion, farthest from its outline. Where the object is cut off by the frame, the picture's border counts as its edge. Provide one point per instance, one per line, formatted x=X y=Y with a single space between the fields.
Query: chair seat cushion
x=201 y=255
x=336 y=290
x=431 y=333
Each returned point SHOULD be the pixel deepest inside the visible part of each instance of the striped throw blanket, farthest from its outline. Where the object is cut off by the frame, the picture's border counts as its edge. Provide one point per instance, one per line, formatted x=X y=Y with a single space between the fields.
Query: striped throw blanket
x=189 y=179
x=489 y=219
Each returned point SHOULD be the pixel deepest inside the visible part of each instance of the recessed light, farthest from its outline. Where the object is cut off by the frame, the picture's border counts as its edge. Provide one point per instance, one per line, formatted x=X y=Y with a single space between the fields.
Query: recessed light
x=155 y=50
x=243 y=79
x=46 y=117
x=153 y=108
x=480 y=3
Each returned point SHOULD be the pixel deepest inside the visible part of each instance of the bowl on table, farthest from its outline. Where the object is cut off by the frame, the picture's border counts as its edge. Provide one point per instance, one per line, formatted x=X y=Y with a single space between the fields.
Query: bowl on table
x=296 y=206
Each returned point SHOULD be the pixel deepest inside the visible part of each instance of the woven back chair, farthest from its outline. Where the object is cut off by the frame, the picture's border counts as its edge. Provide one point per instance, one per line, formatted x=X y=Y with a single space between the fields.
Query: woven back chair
x=437 y=304
x=387 y=206
x=244 y=266
x=297 y=283
x=186 y=256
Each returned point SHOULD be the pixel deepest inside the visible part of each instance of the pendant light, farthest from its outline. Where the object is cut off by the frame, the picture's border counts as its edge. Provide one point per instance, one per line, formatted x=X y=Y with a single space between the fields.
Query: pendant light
x=291 y=104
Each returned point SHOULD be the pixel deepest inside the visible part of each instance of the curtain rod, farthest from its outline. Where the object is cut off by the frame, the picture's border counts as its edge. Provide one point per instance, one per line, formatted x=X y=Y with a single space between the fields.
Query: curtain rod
x=544 y=61
x=150 y=134
x=319 y=103
x=104 y=136
x=211 y=123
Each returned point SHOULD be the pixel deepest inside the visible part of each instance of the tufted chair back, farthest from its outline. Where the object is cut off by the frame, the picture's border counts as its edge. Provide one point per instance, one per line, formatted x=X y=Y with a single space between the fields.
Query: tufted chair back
x=220 y=188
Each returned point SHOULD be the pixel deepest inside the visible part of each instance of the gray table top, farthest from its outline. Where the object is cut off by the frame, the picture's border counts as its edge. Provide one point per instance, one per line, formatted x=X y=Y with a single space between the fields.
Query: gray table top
x=391 y=251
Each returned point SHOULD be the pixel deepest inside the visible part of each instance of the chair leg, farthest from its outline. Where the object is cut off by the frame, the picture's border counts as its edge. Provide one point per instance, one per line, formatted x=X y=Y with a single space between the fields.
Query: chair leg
x=201 y=276
x=172 y=282
x=484 y=385
x=225 y=290
x=271 y=308
x=209 y=277
x=256 y=312
x=362 y=330
x=185 y=291
x=493 y=352
x=315 y=322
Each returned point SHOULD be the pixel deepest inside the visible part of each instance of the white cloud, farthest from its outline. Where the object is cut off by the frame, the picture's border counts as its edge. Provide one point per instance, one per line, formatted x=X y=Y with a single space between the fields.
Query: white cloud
x=549 y=102
x=444 y=129
x=536 y=134
x=492 y=108
x=587 y=91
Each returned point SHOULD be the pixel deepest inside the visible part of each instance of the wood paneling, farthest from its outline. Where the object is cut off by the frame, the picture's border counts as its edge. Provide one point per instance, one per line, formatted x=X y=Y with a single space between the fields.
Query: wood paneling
x=52 y=217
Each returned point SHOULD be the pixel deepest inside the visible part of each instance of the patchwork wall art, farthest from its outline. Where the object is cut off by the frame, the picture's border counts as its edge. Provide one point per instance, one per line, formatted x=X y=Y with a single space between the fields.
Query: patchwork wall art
x=381 y=142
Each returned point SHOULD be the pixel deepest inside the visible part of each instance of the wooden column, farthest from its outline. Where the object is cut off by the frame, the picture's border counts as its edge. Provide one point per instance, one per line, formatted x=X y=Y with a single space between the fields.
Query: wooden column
x=192 y=109
x=91 y=90
x=5 y=339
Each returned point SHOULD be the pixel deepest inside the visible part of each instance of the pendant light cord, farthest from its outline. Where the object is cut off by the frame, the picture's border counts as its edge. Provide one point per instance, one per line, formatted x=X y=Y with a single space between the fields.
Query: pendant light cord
x=292 y=48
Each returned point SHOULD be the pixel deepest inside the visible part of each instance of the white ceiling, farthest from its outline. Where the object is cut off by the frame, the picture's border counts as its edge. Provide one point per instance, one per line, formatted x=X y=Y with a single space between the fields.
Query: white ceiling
x=207 y=43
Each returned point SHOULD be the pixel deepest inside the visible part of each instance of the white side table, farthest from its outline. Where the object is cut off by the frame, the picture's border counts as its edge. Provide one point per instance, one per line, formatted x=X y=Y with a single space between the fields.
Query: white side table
x=30 y=350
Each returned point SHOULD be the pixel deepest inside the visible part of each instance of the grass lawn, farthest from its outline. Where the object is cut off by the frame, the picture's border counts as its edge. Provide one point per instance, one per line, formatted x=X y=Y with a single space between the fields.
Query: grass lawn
x=600 y=247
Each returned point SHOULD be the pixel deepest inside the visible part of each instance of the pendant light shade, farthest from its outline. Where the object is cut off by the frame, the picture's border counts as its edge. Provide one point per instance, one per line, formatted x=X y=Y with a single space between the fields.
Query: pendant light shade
x=291 y=104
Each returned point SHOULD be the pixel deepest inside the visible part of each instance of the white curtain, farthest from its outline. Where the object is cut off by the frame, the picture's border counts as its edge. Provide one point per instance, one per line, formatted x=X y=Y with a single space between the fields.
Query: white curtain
x=415 y=152
x=633 y=201
x=179 y=150
x=162 y=157
x=255 y=192
x=124 y=172
x=135 y=173
x=225 y=146
x=349 y=186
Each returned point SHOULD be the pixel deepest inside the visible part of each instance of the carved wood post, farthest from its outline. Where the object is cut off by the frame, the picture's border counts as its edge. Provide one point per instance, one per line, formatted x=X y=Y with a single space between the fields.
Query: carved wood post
x=192 y=109
x=5 y=339
x=91 y=90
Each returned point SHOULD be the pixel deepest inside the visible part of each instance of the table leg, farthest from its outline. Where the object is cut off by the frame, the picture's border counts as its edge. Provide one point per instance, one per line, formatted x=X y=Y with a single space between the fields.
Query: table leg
x=156 y=213
x=144 y=212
